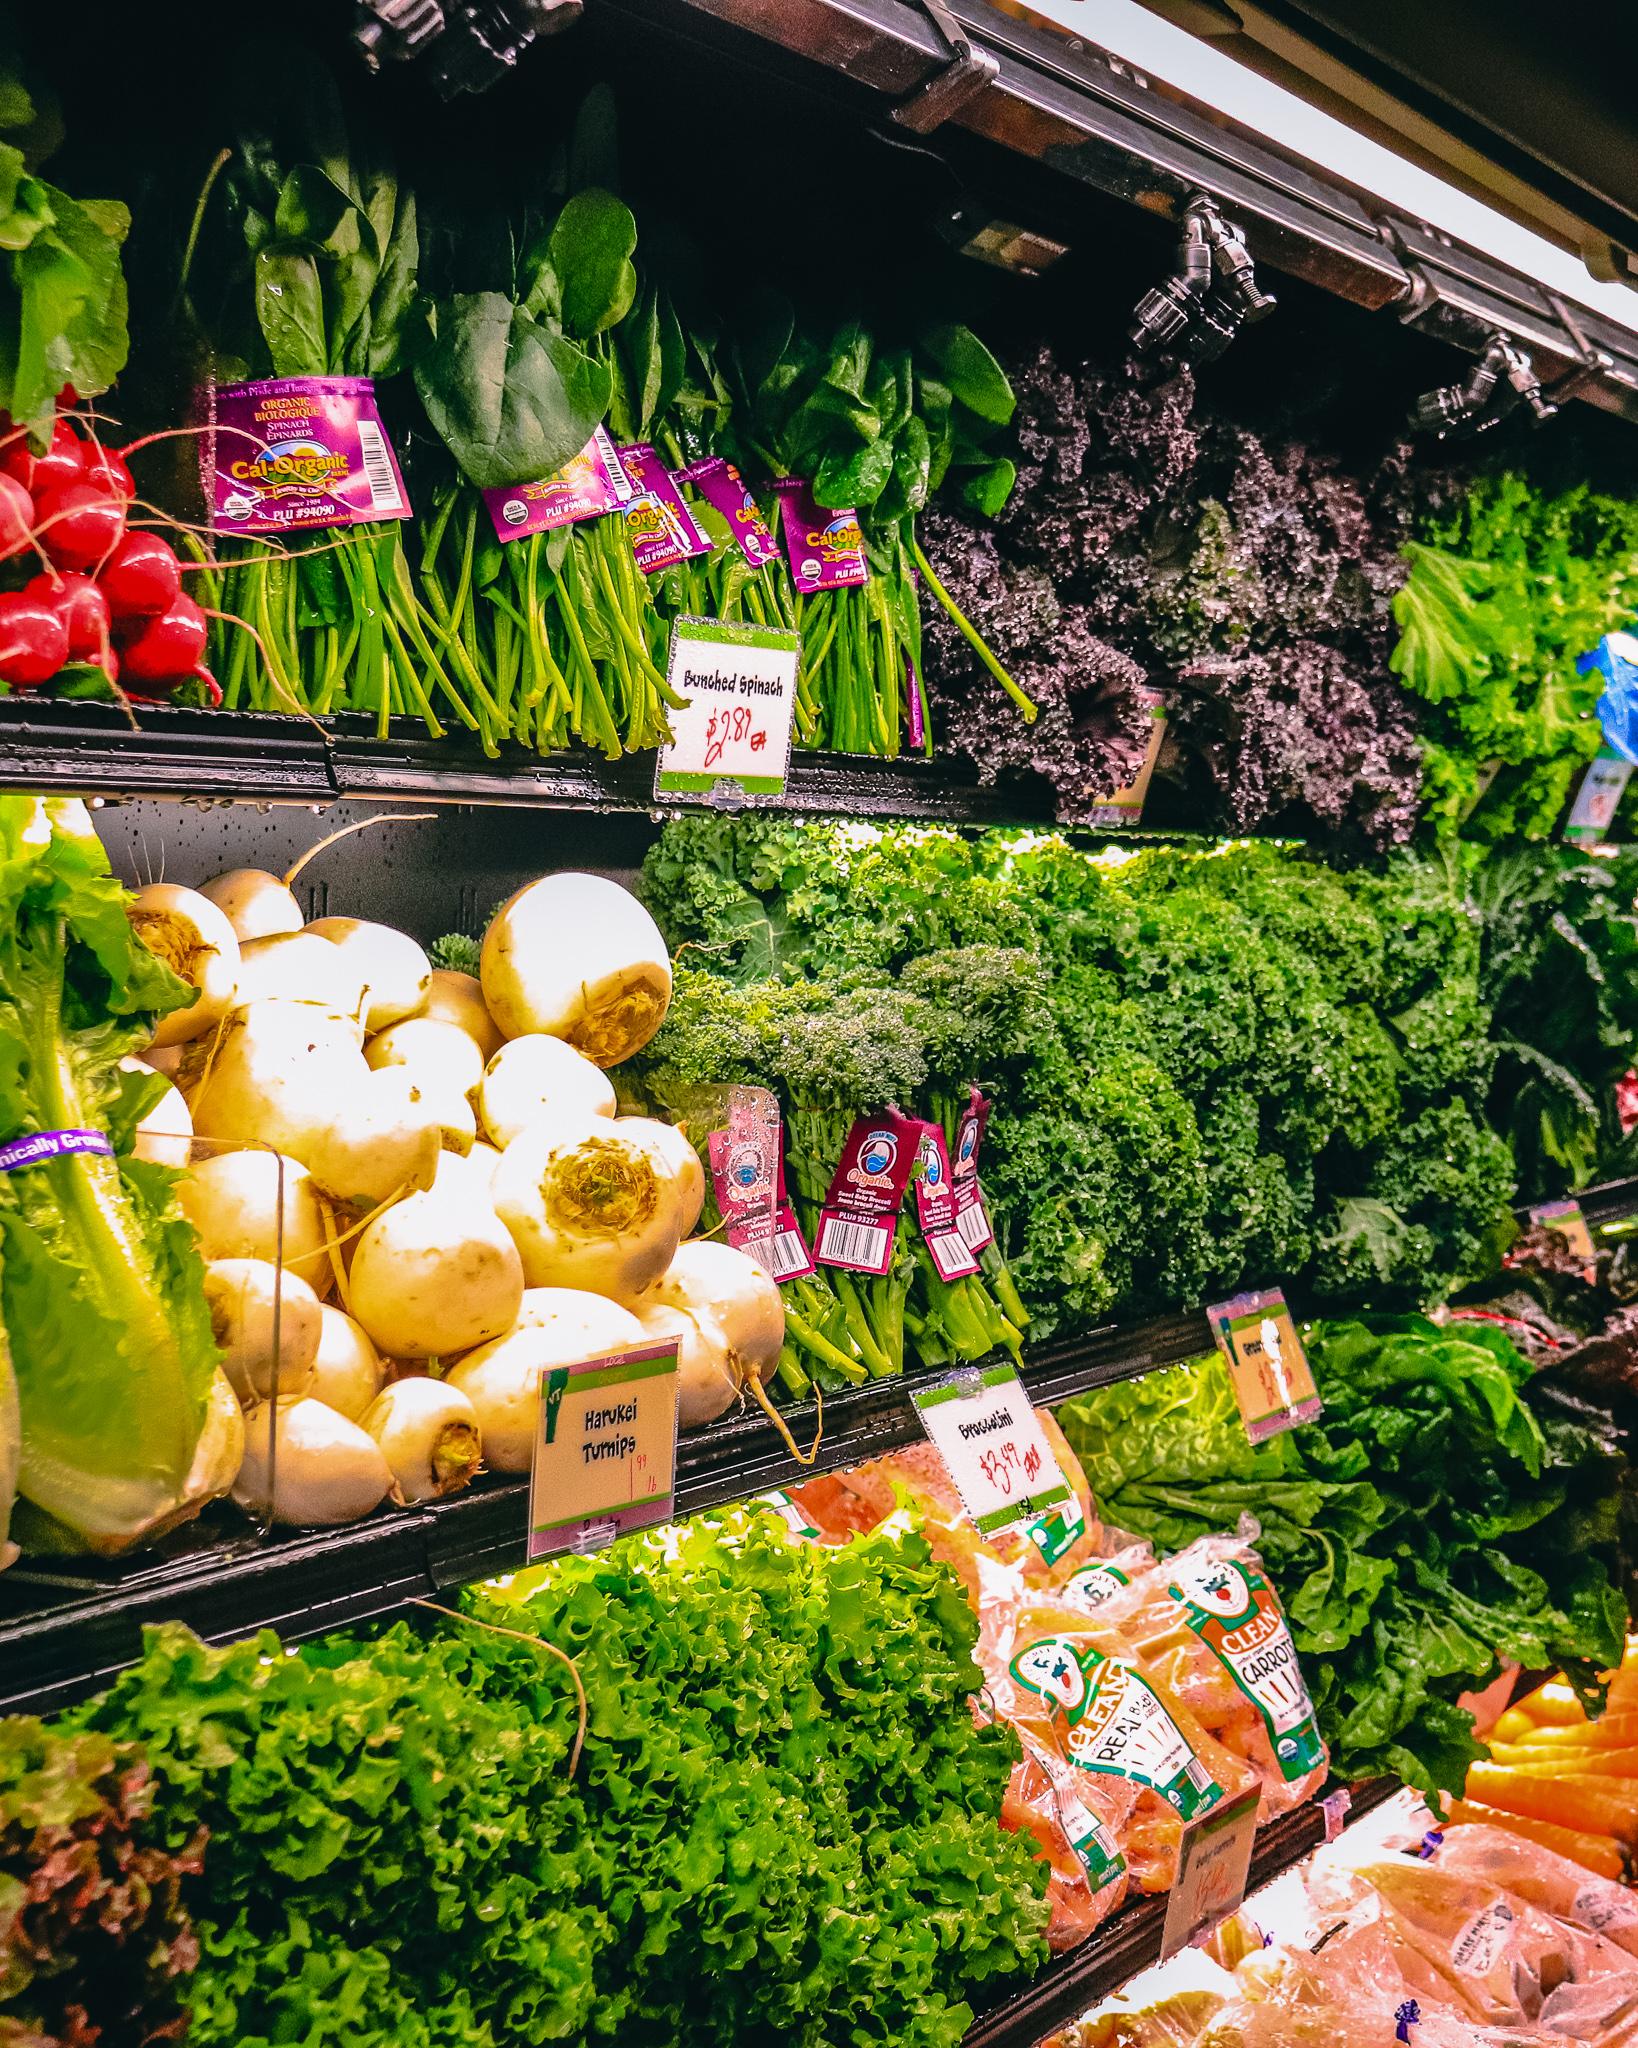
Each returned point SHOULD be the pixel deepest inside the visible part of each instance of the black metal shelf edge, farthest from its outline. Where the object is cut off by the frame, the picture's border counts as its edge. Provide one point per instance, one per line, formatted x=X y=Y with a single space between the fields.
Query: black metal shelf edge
x=69 y=748
x=86 y=1622
x=1072 y=1984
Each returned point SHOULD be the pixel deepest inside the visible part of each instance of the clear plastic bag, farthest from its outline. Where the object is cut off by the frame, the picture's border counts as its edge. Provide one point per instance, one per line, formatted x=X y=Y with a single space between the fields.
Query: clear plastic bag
x=1208 y=1623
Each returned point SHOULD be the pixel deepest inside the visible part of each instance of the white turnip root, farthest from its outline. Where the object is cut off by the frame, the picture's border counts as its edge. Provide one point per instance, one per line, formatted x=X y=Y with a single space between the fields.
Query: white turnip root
x=690 y=1173
x=165 y=1134
x=290 y=1075
x=327 y=1469
x=257 y=905
x=428 y=1433
x=347 y=1369
x=737 y=1309
x=232 y=1201
x=594 y=1204
x=240 y=1294
x=456 y=998
x=537 y=1080
x=440 y=1055
x=433 y=1275
x=193 y=938
x=395 y=972
x=502 y=1380
x=300 y=967
x=707 y=1382
x=578 y=957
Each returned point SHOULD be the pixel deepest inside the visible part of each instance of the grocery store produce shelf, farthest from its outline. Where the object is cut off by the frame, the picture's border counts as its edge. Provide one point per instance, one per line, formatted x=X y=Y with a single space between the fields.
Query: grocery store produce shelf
x=1071 y=1984
x=52 y=746
x=66 y=1625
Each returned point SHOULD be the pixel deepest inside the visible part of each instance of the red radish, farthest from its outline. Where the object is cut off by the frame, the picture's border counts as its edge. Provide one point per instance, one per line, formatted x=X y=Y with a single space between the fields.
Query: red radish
x=84 y=609
x=62 y=463
x=16 y=518
x=78 y=526
x=107 y=468
x=166 y=648
x=140 y=577
x=33 y=640
x=213 y=689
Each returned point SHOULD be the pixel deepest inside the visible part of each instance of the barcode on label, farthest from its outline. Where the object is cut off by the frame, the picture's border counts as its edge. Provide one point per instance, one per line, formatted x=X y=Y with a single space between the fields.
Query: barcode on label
x=974 y=1226
x=951 y=1255
x=779 y=1256
x=1197 y=1774
x=383 y=485
x=864 y=1245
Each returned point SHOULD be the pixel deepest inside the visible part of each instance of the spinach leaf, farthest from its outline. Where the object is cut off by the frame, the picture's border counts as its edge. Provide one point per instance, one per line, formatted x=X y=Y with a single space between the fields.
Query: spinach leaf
x=512 y=400
x=591 y=248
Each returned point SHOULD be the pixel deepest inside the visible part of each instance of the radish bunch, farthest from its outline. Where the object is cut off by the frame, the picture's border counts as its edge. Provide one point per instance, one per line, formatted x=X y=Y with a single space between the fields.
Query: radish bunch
x=111 y=598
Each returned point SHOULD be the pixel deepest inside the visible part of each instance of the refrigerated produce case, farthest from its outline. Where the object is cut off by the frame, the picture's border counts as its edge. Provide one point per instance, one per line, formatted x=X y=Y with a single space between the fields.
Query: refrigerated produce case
x=1002 y=139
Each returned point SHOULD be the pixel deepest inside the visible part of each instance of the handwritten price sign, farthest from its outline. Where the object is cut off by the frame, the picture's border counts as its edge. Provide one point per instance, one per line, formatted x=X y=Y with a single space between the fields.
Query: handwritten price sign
x=731 y=742
x=605 y=1449
x=986 y=1431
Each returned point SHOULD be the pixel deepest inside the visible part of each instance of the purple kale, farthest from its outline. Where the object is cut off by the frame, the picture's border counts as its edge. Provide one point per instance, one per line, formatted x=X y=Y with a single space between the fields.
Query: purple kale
x=1302 y=732
x=1092 y=727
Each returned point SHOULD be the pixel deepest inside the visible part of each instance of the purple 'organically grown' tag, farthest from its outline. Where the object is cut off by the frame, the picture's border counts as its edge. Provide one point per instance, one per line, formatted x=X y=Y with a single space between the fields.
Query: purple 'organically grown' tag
x=662 y=529
x=297 y=452
x=588 y=485
x=721 y=485
x=826 y=548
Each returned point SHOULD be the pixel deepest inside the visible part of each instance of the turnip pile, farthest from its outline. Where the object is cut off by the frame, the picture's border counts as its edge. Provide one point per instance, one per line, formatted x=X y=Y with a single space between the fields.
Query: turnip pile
x=420 y=1193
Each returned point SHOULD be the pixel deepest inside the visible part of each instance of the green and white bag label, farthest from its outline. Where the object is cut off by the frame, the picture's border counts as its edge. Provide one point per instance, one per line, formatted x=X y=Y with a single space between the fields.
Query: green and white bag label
x=1115 y=1724
x=731 y=741
x=984 y=1427
x=1232 y=1609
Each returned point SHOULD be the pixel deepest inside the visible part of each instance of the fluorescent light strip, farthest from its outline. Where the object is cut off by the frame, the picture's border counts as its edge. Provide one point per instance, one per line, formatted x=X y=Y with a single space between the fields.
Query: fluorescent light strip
x=1128 y=31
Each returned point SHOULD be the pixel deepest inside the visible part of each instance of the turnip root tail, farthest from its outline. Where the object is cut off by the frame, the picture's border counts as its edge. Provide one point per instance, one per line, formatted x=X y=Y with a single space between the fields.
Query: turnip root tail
x=760 y=1393
x=363 y=825
x=540 y=1643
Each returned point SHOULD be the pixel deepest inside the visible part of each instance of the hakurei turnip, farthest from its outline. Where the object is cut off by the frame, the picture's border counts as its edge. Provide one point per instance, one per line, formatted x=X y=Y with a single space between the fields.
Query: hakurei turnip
x=193 y=938
x=326 y=1469
x=347 y=1368
x=456 y=998
x=437 y=1053
x=247 y=1299
x=594 y=1203
x=578 y=957
x=428 y=1433
x=435 y=1274
x=233 y=1200
x=395 y=972
x=537 y=1079
x=257 y=905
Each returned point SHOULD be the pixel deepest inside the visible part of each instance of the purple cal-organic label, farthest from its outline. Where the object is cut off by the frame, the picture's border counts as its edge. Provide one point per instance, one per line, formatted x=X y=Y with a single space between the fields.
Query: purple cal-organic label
x=860 y=1218
x=826 y=548
x=912 y=695
x=972 y=1219
x=588 y=485
x=748 y=1178
x=721 y=485
x=45 y=1145
x=299 y=451
x=936 y=1208
x=661 y=527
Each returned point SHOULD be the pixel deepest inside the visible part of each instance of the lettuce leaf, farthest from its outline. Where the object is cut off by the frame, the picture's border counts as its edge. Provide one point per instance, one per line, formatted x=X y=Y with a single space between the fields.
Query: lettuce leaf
x=101 y=1287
